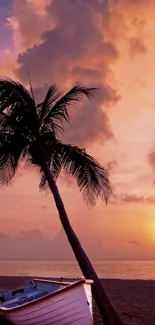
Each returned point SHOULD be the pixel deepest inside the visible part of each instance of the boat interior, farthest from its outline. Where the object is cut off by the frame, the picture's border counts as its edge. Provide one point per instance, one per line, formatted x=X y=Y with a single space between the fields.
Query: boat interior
x=32 y=290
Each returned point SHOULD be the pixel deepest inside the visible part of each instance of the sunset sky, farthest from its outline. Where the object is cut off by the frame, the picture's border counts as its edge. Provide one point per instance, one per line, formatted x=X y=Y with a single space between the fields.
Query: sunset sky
x=105 y=43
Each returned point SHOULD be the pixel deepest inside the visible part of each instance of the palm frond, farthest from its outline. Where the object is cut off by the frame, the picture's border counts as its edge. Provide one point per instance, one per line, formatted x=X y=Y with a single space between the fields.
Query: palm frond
x=53 y=157
x=11 y=92
x=59 y=111
x=51 y=97
x=12 y=149
x=31 y=88
x=15 y=99
x=16 y=102
x=18 y=125
x=55 y=165
x=92 y=178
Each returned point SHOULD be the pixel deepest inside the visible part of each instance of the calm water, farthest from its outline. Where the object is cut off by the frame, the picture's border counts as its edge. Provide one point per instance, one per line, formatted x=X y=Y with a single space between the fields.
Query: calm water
x=119 y=270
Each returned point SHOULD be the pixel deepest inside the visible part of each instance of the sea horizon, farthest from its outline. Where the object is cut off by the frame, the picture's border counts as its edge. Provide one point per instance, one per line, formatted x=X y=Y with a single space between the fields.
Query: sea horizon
x=142 y=270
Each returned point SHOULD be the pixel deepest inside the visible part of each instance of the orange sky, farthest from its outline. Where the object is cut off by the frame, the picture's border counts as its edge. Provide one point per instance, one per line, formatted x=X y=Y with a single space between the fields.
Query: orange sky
x=109 y=44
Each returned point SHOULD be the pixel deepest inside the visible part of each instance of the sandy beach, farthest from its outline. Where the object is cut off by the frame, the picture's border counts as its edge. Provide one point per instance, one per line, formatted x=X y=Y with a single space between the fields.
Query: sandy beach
x=134 y=300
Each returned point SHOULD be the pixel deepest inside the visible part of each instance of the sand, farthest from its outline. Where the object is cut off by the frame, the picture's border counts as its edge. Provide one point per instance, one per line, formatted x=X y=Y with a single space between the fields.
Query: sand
x=134 y=300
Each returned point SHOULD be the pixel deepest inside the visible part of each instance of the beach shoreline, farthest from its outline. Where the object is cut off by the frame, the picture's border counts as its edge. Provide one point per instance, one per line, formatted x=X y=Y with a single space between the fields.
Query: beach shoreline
x=133 y=299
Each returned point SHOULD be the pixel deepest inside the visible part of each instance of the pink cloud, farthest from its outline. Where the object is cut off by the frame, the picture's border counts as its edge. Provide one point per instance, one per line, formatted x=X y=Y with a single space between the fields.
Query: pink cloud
x=28 y=22
x=151 y=159
x=75 y=51
x=33 y=245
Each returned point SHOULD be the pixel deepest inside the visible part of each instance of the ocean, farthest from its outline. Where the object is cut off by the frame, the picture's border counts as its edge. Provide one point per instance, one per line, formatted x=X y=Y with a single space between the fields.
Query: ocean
x=144 y=270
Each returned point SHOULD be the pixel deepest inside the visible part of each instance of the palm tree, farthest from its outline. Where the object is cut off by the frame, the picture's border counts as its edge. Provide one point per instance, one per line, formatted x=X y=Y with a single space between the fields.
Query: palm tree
x=29 y=132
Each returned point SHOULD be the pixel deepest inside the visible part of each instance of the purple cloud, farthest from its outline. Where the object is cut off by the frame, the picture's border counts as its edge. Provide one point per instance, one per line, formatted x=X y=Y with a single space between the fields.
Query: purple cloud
x=75 y=49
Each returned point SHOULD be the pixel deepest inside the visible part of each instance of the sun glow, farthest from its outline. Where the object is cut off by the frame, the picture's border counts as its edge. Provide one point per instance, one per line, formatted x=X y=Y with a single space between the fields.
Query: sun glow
x=150 y=230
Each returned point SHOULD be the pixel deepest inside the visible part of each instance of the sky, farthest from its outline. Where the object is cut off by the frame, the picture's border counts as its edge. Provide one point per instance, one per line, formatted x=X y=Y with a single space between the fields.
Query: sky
x=109 y=45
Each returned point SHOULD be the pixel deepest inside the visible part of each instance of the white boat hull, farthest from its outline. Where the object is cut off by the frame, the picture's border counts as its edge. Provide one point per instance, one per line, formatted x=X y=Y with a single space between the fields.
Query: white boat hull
x=73 y=306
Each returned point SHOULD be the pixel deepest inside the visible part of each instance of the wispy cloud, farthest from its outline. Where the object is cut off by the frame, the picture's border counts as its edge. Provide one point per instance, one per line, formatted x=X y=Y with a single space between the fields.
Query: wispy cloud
x=132 y=199
x=132 y=242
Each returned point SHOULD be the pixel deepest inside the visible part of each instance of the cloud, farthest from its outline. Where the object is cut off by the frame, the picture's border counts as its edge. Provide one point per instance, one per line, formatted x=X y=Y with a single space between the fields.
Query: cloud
x=73 y=50
x=112 y=164
x=34 y=246
x=8 y=64
x=86 y=73
x=90 y=121
x=28 y=22
x=126 y=198
x=133 y=242
x=136 y=46
x=43 y=207
x=3 y=236
x=40 y=92
x=71 y=42
x=63 y=48
x=132 y=199
x=151 y=159
x=66 y=179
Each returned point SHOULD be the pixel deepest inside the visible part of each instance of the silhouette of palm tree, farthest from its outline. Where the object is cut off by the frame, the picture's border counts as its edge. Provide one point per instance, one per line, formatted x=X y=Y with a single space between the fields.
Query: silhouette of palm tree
x=29 y=132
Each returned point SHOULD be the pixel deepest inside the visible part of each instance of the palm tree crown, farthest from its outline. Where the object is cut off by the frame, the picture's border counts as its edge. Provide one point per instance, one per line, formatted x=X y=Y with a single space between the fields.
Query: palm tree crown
x=30 y=131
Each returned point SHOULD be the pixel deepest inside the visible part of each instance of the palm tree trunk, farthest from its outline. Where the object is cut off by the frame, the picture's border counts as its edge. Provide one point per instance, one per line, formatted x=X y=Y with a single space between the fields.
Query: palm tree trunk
x=108 y=313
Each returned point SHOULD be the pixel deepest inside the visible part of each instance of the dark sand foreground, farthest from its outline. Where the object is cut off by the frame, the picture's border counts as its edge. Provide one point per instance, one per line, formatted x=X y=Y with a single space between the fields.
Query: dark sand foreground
x=134 y=300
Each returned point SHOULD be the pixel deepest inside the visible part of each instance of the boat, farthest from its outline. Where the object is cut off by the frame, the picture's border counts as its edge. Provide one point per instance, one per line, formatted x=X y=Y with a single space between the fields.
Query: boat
x=45 y=302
